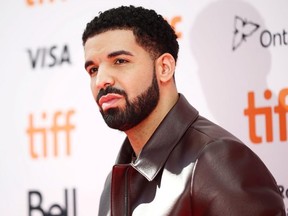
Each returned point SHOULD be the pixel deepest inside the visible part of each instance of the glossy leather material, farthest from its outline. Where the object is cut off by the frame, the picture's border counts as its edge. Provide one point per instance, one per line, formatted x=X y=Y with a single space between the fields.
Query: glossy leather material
x=190 y=166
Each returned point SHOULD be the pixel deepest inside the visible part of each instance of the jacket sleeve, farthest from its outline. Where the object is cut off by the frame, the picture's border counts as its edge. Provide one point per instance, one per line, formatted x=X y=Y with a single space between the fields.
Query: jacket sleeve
x=229 y=179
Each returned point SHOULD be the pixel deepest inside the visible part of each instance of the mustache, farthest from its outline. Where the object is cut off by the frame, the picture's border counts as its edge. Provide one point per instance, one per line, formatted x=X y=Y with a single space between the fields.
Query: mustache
x=109 y=90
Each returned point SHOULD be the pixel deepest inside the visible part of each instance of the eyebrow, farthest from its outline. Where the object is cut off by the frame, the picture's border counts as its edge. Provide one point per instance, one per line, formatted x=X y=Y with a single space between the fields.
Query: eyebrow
x=88 y=63
x=110 y=55
x=119 y=52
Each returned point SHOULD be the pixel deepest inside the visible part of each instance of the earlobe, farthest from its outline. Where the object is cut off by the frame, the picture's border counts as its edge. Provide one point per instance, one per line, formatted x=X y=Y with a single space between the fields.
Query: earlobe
x=166 y=67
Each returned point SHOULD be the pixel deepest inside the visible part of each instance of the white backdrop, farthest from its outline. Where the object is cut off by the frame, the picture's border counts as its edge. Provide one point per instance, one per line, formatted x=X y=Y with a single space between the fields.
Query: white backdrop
x=55 y=148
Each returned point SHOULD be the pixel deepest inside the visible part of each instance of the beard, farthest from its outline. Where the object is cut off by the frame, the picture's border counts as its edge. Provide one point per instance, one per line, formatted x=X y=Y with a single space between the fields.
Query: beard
x=134 y=111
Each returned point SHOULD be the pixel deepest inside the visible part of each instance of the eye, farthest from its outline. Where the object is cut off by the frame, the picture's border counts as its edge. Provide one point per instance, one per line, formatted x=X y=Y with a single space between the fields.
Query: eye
x=93 y=71
x=120 y=61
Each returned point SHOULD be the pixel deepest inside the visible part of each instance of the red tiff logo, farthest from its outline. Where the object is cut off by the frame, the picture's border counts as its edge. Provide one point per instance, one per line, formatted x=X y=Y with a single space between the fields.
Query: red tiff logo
x=60 y=124
x=174 y=21
x=39 y=2
x=253 y=111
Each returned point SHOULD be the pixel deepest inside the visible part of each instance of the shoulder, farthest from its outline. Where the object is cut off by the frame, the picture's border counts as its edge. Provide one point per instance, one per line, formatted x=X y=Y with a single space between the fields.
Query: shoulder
x=228 y=177
x=223 y=151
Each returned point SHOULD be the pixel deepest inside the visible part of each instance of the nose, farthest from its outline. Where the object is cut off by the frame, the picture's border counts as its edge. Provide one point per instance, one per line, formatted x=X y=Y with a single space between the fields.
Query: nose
x=104 y=78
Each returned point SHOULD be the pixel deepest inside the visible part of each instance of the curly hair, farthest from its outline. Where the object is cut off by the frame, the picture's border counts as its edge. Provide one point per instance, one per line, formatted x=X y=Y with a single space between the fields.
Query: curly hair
x=152 y=32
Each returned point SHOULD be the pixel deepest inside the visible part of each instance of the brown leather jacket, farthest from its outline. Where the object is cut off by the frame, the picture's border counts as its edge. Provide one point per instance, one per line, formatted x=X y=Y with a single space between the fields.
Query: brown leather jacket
x=190 y=166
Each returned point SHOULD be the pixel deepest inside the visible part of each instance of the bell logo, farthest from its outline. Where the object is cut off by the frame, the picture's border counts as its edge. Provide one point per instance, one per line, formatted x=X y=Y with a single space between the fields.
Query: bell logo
x=242 y=30
x=35 y=199
x=39 y=2
x=44 y=132
x=281 y=109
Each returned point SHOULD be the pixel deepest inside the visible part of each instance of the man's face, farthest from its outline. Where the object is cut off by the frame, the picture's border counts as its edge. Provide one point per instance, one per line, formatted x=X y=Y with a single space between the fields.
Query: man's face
x=123 y=78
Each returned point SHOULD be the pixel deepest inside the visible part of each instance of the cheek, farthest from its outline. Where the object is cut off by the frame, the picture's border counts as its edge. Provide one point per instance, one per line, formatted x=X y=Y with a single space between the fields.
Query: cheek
x=93 y=88
x=138 y=87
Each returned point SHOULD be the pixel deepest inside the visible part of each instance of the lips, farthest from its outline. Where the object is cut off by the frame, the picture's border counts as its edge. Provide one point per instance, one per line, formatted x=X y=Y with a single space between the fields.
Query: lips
x=109 y=101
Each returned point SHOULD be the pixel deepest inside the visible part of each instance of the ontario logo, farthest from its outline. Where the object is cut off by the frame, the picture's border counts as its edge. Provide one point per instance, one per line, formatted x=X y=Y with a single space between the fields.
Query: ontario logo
x=244 y=28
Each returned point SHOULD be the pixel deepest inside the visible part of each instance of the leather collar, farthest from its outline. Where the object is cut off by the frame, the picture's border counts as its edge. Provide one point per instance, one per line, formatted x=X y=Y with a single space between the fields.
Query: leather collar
x=156 y=151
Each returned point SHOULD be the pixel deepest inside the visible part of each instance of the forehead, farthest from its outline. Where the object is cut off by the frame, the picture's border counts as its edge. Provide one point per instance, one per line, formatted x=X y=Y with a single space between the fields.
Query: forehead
x=110 y=41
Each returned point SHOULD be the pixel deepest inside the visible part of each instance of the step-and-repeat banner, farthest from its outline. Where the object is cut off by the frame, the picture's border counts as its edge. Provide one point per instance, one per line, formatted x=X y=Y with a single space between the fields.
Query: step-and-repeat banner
x=56 y=150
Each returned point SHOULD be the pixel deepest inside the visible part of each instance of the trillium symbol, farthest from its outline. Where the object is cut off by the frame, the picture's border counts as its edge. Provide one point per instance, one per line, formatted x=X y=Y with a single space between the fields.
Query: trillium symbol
x=242 y=30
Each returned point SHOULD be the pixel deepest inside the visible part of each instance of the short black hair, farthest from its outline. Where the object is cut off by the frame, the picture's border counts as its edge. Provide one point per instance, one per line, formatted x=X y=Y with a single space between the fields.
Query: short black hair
x=151 y=30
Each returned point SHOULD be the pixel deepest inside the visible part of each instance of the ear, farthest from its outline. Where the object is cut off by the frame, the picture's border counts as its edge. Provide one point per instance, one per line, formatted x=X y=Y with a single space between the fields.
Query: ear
x=165 y=67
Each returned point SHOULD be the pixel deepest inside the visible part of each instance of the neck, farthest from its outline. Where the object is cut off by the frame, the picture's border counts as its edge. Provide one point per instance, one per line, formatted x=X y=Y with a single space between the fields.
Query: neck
x=141 y=133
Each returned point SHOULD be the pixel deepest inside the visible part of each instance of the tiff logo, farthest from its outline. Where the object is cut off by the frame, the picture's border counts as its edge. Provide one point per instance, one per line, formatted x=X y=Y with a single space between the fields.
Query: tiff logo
x=267 y=113
x=242 y=30
x=174 y=21
x=38 y=129
x=39 y=2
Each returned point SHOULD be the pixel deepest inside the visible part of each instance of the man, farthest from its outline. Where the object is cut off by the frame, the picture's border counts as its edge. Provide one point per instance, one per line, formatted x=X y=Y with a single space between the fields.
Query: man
x=173 y=161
